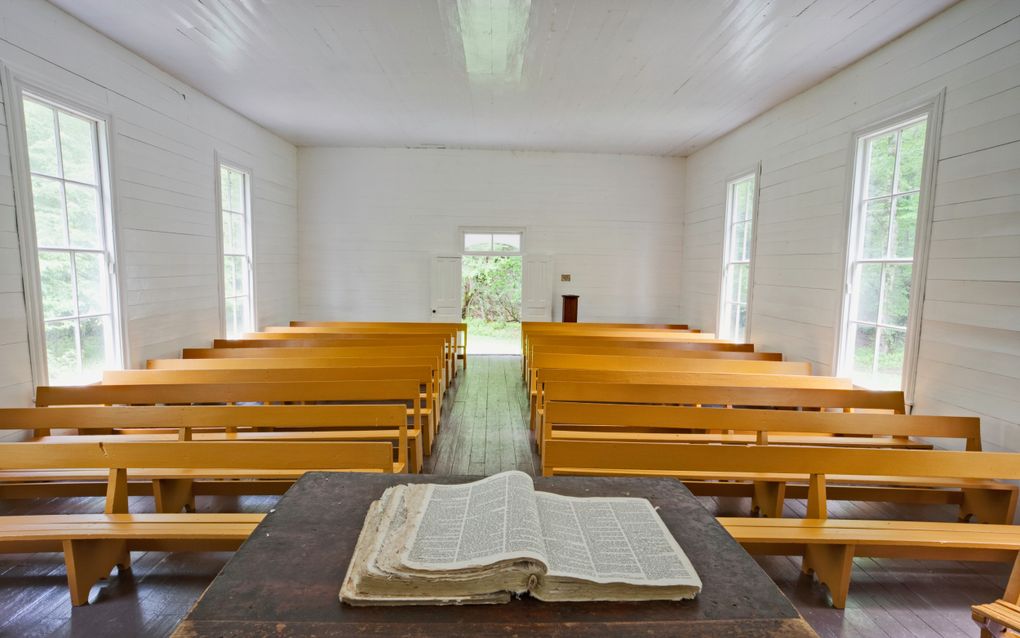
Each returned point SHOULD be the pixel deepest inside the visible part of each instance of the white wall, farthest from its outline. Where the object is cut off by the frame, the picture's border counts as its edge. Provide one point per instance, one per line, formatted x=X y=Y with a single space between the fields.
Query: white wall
x=970 y=338
x=165 y=134
x=371 y=218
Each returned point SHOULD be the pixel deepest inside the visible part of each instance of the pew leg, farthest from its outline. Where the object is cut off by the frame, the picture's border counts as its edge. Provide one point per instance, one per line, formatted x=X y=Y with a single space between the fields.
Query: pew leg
x=768 y=498
x=988 y=506
x=414 y=455
x=832 y=565
x=88 y=561
x=173 y=495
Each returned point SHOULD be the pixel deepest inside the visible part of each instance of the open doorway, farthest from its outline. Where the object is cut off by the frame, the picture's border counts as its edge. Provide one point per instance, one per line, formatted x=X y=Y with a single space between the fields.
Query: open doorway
x=491 y=270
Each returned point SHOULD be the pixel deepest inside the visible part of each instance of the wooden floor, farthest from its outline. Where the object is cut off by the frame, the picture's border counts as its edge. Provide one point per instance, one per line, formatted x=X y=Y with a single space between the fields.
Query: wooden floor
x=485 y=432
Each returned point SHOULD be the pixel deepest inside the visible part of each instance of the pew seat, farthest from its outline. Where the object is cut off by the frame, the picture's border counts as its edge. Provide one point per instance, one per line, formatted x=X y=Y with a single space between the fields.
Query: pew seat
x=1000 y=619
x=829 y=546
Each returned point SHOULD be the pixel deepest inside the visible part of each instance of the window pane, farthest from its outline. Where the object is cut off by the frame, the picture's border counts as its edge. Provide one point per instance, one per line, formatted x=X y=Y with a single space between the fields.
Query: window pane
x=891 y=348
x=863 y=348
x=237 y=234
x=740 y=246
x=61 y=352
x=231 y=318
x=896 y=296
x=228 y=229
x=738 y=283
x=474 y=242
x=96 y=348
x=740 y=210
x=228 y=277
x=881 y=164
x=237 y=191
x=41 y=138
x=83 y=216
x=904 y=226
x=911 y=157
x=48 y=207
x=741 y=321
x=225 y=189
x=875 y=238
x=55 y=280
x=506 y=242
x=90 y=269
x=867 y=287
x=76 y=148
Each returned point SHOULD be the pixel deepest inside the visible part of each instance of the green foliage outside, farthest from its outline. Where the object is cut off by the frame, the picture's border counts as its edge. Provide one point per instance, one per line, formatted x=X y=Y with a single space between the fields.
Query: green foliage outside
x=492 y=289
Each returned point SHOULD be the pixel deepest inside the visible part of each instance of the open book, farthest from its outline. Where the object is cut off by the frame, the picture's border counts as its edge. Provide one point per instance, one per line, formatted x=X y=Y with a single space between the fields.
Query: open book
x=482 y=542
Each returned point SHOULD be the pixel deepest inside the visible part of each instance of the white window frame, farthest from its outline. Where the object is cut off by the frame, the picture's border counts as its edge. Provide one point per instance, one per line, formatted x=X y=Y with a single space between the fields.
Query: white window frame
x=249 y=194
x=16 y=85
x=489 y=230
x=721 y=309
x=931 y=108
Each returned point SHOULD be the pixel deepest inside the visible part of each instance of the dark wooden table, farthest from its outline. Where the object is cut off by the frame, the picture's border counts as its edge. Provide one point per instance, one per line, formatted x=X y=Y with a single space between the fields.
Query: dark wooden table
x=284 y=581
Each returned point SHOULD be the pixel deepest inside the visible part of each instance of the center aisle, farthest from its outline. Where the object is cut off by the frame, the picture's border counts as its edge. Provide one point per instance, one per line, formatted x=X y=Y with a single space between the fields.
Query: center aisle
x=485 y=423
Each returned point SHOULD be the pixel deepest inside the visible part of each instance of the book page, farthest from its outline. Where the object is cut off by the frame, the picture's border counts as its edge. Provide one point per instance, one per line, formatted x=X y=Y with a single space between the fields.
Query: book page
x=476 y=524
x=611 y=540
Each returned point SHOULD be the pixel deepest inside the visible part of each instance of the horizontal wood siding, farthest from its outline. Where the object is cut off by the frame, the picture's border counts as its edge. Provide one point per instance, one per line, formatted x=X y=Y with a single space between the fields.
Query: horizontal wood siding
x=371 y=218
x=165 y=134
x=969 y=360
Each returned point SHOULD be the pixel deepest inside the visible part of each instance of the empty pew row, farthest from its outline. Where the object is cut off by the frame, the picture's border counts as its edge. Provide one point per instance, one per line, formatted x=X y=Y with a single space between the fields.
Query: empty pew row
x=983 y=501
x=652 y=377
x=93 y=544
x=176 y=489
x=827 y=546
x=457 y=332
x=401 y=392
x=544 y=361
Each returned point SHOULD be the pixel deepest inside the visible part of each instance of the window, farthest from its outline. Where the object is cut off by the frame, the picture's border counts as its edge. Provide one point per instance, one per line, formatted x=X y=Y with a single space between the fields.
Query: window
x=876 y=330
x=496 y=243
x=67 y=167
x=238 y=281
x=736 y=280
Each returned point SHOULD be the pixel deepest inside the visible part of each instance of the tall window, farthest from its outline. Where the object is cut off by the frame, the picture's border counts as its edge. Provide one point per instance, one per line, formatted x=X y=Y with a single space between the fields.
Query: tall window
x=880 y=269
x=238 y=282
x=737 y=258
x=68 y=168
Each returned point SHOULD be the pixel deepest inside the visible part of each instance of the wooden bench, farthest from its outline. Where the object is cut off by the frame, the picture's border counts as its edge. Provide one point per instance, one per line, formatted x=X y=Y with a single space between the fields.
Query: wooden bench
x=650 y=377
x=828 y=546
x=1001 y=619
x=404 y=392
x=458 y=331
x=270 y=352
x=295 y=363
x=93 y=544
x=277 y=423
x=372 y=340
x=987 y=501
x=425 y=375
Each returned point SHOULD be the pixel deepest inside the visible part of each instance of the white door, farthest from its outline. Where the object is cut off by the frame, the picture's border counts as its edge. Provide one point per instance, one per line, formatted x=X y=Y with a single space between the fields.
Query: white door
x=537 y=288
x=446 y=289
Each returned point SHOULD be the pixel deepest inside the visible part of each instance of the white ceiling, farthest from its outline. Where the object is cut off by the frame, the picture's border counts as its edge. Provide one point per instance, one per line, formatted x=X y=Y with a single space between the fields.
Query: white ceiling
x=658 y=77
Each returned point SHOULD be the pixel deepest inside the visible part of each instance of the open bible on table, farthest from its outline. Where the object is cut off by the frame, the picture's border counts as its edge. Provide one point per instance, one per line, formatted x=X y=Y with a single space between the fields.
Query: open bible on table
x=485 y=541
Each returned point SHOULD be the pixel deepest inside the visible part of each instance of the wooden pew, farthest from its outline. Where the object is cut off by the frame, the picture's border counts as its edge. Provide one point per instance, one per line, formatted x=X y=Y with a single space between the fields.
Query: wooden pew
x=656 y=364
x=650 y=377
x=311 y=362
x=424 y=374
x=202 y=423
x=270 y=352
x=828 y=546
x=988 y=502
x=93 y=544
x=404 y=392
x=1001 y=618
x=459 y=331
x=373 y=340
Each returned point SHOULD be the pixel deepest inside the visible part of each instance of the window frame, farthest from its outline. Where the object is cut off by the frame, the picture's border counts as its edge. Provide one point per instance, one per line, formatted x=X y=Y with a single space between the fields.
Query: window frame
x=931 y=108
x=219 y=162
x=754 y=173
x=489 y=230
x=17 y=85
